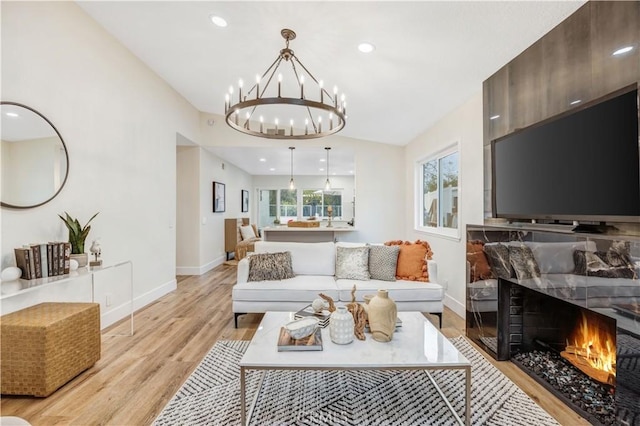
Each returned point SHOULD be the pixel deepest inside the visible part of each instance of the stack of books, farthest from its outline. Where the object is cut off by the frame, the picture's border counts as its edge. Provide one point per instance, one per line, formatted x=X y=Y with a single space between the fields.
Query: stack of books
x=43 y=260
x=307 y=311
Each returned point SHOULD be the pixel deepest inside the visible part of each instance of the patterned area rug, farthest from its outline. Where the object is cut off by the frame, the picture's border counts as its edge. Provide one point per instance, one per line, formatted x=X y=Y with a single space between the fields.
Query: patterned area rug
x=211 y=395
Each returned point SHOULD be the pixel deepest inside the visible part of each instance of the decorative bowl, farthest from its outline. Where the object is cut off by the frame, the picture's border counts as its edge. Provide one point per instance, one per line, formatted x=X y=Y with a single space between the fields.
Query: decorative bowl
x=302 y=328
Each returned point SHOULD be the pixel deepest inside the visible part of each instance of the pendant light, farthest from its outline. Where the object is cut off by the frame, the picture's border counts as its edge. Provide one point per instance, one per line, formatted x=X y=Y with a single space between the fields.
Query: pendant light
x=327 y=184
x=291 y=183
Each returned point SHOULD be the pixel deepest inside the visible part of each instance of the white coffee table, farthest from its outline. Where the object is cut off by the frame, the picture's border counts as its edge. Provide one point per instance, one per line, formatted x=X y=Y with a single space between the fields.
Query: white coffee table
x=417 y=345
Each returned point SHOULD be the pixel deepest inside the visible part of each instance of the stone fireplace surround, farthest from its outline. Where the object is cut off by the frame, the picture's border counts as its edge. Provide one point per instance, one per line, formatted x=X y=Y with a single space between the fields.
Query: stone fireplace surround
x=510 y=315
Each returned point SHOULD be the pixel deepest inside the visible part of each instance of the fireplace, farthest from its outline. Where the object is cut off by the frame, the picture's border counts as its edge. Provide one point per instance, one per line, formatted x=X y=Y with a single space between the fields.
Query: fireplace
x=578 y=354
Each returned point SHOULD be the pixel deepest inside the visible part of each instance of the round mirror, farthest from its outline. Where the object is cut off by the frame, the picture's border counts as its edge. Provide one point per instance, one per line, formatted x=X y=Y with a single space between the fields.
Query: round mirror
x=34 y=158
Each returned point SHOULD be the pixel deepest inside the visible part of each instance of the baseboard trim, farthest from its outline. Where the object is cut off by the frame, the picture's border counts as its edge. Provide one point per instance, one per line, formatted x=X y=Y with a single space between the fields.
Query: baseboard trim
x=123 y=311
x=199 y=270
x=455 y=305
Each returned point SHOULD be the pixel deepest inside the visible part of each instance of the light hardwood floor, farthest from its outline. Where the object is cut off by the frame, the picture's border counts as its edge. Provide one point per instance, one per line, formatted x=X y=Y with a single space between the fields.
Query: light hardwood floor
x=137 y=375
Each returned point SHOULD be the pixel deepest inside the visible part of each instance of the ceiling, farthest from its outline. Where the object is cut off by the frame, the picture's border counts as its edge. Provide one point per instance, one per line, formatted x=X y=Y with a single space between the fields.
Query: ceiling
x=429 y=56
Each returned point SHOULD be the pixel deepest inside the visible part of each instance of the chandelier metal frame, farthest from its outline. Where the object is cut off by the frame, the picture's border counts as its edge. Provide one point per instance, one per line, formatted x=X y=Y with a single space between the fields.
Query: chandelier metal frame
x=239 y=115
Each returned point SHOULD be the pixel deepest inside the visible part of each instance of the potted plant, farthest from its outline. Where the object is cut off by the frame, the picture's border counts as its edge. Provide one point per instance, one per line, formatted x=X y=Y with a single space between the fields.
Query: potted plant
x=77 y=236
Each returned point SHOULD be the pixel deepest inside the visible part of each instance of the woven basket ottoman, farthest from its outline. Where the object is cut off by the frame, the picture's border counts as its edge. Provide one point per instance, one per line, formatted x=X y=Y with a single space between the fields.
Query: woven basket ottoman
x=46 y=345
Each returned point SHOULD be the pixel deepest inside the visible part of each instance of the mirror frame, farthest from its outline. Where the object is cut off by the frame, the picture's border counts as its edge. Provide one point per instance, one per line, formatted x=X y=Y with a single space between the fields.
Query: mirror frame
x=66 y=154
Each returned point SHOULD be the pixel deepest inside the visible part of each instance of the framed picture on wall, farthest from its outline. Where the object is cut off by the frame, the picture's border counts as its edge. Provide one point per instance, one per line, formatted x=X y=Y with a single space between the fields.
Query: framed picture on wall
x=218 y=197
x=245 y=200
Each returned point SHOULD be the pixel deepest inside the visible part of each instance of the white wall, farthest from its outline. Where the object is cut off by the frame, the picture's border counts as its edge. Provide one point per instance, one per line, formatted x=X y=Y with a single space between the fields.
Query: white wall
x=214 y=169
x=119 y=121
x=188 y=210
x=463 y=125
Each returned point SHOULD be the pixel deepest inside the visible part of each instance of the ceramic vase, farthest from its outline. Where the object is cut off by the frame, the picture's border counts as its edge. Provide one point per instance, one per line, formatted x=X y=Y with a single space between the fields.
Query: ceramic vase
x=341 y=326
x=382 y=313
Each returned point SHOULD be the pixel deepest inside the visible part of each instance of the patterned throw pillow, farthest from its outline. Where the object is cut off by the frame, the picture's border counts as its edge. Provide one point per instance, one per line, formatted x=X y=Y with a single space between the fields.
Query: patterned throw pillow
x=498 y=256
x=352 y=263
x=412 y=260
x=479 y=265
x=382 y=262
x=602 y=264
x=270 y=266
x=523 y=262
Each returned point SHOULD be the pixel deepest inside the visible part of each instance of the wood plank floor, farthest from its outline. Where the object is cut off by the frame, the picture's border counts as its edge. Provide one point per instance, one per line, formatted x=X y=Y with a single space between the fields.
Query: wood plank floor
x=137 y=375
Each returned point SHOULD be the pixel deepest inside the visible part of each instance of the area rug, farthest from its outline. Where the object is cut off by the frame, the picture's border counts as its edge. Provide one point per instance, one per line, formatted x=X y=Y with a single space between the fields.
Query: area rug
x=211 y=395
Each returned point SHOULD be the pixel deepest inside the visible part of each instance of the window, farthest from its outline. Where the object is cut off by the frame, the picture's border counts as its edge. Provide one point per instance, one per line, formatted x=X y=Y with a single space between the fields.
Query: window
x=438 y=193
x=288 y=205
x=316 y=201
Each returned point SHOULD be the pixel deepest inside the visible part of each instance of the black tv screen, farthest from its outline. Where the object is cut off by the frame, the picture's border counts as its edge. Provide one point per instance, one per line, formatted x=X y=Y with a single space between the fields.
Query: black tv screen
x=579 y=166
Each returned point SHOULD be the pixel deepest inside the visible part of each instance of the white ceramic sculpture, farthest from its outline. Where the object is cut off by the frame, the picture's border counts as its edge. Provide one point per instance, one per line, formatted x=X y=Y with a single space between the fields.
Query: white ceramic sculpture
x=11 y=273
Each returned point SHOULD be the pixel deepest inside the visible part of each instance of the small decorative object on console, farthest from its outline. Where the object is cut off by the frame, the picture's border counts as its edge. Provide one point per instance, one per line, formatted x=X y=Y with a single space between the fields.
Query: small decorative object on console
x=302 y=328
x=96 y=251
x=312 y=342
x=11 y=273
x=341 y=326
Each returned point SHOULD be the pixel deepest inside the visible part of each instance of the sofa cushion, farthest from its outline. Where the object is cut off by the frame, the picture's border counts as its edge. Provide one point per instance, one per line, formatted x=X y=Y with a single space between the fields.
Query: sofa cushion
x=302 y=288
x=399 y=291
x=523 y=263
x=557 y=258
x=479 y=265
x=352 y=263
x=306 y=258
x=270 y=266
x=383 y=261
x=412 y=260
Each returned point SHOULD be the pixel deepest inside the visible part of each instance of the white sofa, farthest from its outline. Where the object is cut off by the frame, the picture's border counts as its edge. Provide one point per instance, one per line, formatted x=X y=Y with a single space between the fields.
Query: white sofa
x=557 y=278
x=314 y=265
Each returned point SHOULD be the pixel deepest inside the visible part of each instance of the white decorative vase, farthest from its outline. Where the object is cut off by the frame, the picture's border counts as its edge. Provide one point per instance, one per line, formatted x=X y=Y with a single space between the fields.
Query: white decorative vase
x=82 y=259
x=341 y=326
x=382 y=313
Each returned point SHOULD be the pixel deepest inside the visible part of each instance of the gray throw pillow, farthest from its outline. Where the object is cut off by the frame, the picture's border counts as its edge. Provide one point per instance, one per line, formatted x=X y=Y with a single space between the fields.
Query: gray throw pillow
x=603 y=264
x=523 y=262
x=270 y=266
x=498 y=257
x=382 y=262
x=352 y=263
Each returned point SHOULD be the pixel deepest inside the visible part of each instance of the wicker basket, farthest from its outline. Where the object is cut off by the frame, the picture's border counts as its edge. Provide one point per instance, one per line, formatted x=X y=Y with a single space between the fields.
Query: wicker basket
x=46 y=345
x=302 y=224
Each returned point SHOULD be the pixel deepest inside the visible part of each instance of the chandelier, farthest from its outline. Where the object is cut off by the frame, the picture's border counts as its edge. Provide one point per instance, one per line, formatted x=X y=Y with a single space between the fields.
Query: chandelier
x=306 y=108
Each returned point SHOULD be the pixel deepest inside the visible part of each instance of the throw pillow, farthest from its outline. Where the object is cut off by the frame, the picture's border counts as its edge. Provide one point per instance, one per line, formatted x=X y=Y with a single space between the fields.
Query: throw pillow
x=523 y=263
x=596 y=264
x=479 y=265
x=270 y=266
x=498 y=256
x=352 y=263
x=383 y=261
x=247 y=232
x=412 y=260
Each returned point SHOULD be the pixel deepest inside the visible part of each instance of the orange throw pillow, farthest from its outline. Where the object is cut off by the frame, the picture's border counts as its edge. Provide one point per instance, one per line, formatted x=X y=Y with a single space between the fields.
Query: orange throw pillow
x=412 y=260
x=479 y=265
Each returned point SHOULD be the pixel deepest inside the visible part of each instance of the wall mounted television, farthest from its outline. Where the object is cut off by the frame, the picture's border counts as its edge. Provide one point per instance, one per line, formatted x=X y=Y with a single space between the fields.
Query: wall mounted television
x=583 y=165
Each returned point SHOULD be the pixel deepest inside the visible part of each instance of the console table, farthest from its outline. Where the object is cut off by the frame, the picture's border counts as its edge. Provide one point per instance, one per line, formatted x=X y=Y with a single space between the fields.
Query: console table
x=17 y=288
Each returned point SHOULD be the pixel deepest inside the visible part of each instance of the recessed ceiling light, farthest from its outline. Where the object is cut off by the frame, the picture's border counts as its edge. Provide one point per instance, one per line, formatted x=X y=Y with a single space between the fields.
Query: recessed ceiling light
x=366 y=47
x=12 y=114
x=577 y=101
x=623 y=50
x=262 y=160
x=493 y=117
x=322 y=160
x=321 y=169
x=272 y=169
x=218 y=20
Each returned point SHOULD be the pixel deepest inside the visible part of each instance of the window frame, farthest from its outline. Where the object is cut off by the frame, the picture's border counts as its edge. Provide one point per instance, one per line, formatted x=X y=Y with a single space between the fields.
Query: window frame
x=451 y=233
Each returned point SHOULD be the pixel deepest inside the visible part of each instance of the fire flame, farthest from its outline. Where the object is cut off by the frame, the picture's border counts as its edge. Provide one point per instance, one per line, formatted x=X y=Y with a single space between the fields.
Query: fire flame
x=597 y=346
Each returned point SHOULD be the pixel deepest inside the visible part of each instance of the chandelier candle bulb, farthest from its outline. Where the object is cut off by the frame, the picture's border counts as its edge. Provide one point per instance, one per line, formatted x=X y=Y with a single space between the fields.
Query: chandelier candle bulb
x=321 y=83
x=302 y=87
x=331 y=121
x=257 y=86
x=237 y=114
x=291 y=128
x=306 y=126
x=261 y=122
x=319 y=124
x=240 y=90
x=276 y=125
x=279 y=84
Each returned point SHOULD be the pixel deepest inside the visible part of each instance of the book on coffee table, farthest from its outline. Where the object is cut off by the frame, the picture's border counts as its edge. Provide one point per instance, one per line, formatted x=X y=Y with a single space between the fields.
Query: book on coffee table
x=309 y=343
x=323 y=316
